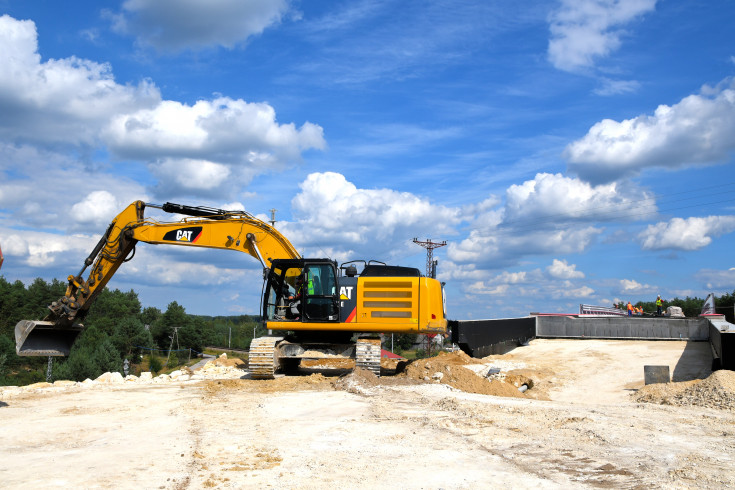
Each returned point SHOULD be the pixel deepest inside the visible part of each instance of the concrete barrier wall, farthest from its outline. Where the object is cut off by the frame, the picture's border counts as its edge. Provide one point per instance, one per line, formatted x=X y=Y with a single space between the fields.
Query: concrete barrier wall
x=722 y=340
x=480 y=338
x=642 y=328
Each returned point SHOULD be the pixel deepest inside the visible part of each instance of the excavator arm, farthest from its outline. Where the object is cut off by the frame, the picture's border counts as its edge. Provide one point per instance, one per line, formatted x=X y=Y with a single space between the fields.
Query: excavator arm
x=202 y=227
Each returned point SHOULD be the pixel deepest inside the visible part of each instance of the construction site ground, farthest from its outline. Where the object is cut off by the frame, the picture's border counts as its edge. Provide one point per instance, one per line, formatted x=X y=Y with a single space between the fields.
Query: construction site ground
x=586 y=421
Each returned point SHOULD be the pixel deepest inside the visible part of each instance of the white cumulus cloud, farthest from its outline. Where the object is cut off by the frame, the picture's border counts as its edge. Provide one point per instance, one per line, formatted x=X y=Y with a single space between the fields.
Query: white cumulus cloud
x=189 y=174
x=39 y=249
x=721 y=280
x=175 y=25
x=495 y=251
x=696 y=130
x=224 y=129
x=377 y=223
x=583 y=31
x=631 y=286
x=76 y=102
x=535 y=217
x=59 y=100
x=685 y=234
x=551 y=198
x=39 y=195
x=98 y=208
x=559 y=269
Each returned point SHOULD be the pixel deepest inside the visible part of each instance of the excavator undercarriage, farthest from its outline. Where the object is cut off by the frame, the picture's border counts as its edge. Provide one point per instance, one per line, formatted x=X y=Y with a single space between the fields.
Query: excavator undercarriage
x=270 y=355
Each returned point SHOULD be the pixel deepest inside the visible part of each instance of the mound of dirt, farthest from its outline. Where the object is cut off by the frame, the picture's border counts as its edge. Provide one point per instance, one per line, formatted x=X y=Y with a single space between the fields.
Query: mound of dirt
x=343 y=363
x=223 y=361
x=328 y=363
x=213 y=387
x=359 y=381
x=448 y=368
x=716 y=391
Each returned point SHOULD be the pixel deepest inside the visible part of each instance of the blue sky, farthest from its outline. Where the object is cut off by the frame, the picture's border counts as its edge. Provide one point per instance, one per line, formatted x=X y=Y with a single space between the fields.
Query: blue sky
x=568 y=151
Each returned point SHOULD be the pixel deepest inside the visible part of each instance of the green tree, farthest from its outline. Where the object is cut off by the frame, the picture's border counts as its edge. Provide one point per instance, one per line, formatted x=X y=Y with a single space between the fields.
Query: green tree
x=404 y=341
x=18 y=303
x=107 y=357
x=130 y=337
x=7 y=349
x=154 y=364
x=725 y=305
x=150 y=315
x=192 y=334
x=3 y=368
x=110 y=307
x=91 y=355
x=163 y=329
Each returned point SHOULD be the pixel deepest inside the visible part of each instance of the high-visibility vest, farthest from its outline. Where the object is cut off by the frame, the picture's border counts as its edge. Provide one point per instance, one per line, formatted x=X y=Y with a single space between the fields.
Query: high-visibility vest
x=630 y=307
x=659 y=302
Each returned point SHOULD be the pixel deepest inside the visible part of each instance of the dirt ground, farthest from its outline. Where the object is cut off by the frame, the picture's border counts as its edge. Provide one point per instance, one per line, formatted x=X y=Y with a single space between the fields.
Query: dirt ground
x=586 y=421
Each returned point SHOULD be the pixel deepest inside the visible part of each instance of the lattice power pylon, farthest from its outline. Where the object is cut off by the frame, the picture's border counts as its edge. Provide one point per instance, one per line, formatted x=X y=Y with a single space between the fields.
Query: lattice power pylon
x=430 y=246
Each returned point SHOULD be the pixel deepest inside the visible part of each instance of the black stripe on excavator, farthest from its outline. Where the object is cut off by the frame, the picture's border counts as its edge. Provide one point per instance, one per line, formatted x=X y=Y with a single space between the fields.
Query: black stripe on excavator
x=201 y=211
x=189 y=235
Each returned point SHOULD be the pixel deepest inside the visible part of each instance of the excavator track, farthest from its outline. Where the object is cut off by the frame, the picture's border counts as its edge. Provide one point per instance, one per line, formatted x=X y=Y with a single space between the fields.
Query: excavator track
x=262 y=361
x=367 y=355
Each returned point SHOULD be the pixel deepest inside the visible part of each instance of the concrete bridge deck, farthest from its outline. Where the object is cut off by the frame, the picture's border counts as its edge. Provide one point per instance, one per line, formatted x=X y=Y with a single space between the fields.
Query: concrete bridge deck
x=480 y=338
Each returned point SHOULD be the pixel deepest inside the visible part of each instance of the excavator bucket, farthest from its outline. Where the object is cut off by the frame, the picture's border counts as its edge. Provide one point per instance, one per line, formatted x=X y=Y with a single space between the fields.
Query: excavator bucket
x=39 y=338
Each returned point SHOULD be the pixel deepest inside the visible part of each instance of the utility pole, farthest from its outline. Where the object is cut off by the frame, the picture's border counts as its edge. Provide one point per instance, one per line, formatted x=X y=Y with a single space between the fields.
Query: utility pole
x=430 y=262
x=173 y=337
x=430 y=271
x=273 y=217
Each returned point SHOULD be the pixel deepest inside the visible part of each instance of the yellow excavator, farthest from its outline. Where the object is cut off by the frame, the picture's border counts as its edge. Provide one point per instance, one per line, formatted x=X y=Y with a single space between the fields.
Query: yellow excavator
x=311 y=307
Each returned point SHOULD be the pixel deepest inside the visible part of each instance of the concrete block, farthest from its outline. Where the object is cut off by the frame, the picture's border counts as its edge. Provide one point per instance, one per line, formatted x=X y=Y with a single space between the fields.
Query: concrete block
x=656 y=374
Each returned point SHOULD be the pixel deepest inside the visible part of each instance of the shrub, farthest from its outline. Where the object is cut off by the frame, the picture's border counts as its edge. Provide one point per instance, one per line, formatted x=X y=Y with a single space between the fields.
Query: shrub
x=154 y=364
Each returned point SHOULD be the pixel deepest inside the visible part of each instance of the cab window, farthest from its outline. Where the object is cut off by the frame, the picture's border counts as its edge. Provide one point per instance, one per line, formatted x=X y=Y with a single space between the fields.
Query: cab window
x=321 y=290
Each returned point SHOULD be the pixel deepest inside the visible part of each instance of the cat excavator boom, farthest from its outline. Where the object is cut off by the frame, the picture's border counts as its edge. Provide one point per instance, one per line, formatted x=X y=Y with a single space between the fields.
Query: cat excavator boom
x=311 y=304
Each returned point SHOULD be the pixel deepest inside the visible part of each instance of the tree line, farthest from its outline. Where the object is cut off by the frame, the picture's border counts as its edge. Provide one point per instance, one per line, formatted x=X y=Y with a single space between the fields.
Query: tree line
x=118 y=328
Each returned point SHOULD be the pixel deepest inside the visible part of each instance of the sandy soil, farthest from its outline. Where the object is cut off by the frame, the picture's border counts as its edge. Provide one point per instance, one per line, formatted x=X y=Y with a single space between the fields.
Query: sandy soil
x=578 y=426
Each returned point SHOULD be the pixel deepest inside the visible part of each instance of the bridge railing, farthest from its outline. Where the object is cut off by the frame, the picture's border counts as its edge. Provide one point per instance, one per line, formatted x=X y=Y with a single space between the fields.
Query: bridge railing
x=600 y=310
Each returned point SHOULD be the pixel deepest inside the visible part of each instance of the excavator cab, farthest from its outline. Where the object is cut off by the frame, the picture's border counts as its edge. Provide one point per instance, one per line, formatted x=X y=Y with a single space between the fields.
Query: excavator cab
x=301 y=290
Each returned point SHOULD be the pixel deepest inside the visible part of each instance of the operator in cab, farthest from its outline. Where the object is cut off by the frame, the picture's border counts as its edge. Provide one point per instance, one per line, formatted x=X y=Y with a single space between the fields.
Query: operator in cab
x=296 y=299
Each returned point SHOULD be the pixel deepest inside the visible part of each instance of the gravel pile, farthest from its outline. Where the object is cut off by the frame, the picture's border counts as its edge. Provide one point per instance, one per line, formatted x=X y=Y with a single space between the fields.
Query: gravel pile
x=454 y=369
x=716 y=391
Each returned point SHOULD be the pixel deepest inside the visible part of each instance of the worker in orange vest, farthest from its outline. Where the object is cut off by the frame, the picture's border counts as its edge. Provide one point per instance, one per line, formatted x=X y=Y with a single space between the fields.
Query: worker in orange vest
x=630 y=309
